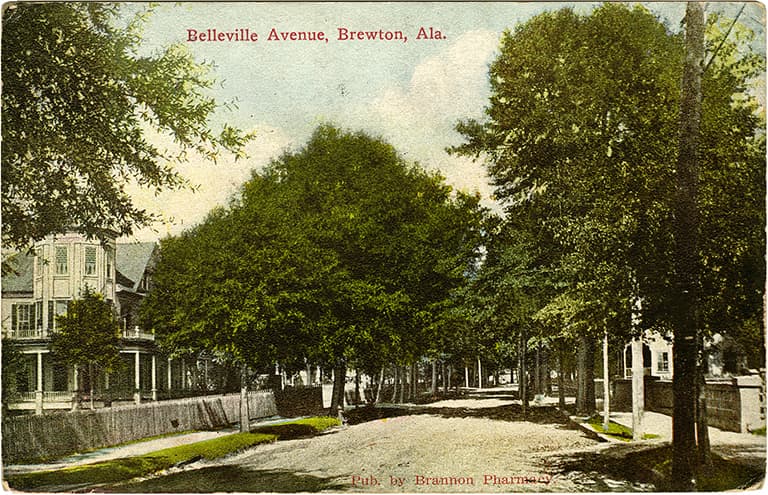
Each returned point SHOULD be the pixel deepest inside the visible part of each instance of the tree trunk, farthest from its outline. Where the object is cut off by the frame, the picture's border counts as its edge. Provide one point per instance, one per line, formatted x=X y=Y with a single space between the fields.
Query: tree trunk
x=522 y=387
x=466 y=376
x=537 y=383
x=702 y=430
x=245 y=420
x=561 y=376
x=606 y=385
x=357 y=388
x=433 y=389
x=90 y=383
x=585 y=396
x=339 y=381
x=479 y=374
x=379 y=385
x=447 y=381
x=685 y=318
x=394 y=385
x=404 y=385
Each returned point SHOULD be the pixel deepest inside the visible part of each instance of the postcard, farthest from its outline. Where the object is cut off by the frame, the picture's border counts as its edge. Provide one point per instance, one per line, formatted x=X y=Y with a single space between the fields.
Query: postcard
x=446 y=247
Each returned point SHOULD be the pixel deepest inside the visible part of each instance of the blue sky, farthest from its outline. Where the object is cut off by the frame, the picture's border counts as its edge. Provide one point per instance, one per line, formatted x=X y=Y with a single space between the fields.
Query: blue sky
x=411 y=94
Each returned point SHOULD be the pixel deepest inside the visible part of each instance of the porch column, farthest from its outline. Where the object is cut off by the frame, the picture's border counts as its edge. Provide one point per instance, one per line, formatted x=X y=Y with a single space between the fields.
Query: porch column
x=39 y=388
x=137 y=378
x=154 y=378
x=169 y=375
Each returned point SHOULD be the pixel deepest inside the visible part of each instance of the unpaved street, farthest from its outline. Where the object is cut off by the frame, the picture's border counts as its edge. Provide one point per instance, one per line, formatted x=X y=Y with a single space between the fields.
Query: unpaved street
x=410 y=453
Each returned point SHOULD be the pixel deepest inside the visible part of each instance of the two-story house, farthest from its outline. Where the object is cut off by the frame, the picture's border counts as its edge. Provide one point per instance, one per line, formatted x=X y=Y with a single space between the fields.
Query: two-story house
x=41 y=287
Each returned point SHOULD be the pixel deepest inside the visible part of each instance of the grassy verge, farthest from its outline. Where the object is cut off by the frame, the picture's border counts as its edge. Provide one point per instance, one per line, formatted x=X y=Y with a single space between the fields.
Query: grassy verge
x=298 y=429
x=721 y=476
x=143 y=465
x=615 y=430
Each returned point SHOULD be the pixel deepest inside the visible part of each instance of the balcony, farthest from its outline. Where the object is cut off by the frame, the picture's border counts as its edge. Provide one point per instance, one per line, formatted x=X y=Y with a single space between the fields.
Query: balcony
x=136 y=334
x=25 y=334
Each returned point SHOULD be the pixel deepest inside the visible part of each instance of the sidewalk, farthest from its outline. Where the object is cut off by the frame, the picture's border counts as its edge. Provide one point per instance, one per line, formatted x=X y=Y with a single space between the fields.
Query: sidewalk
x=743 y=447
x=131 y=450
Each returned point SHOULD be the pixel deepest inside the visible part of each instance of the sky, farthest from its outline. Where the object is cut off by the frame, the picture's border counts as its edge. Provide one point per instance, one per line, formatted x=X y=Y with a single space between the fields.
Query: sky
x=410 y=93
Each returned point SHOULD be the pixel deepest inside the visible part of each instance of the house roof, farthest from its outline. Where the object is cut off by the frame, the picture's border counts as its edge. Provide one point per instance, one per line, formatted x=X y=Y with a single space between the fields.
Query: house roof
x=132 y=261
x=21 y=279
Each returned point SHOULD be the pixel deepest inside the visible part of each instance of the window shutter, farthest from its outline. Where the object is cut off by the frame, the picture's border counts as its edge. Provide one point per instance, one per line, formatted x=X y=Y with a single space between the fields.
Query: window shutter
x=14 y=320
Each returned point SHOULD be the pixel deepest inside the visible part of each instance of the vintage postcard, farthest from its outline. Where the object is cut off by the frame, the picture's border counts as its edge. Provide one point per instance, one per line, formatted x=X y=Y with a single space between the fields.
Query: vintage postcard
x=383 y=247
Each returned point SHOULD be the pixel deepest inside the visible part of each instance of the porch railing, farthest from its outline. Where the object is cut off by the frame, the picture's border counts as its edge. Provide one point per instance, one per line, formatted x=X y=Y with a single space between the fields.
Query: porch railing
x=137 y=333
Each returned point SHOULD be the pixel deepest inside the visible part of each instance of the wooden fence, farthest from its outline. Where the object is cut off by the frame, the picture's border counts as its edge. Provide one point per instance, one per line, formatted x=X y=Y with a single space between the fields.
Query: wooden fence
x=58 y=434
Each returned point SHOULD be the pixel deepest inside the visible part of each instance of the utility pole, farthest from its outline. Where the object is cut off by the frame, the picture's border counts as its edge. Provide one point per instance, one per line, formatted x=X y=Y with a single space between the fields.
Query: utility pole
x=684 y=300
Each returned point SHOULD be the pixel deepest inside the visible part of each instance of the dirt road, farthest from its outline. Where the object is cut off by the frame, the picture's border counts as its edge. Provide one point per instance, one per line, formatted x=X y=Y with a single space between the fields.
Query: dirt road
x=462 y=447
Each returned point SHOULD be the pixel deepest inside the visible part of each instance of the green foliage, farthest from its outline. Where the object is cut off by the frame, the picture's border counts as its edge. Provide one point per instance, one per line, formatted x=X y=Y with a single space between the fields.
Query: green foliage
x=12 y=364
x=616 y=430
x=124 y=469
x=88 y=334
x=79 y=105
x=338 y=252
x=580 y=139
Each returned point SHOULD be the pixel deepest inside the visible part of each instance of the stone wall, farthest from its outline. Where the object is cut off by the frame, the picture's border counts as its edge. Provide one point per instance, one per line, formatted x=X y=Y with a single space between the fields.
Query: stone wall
x=734 y=404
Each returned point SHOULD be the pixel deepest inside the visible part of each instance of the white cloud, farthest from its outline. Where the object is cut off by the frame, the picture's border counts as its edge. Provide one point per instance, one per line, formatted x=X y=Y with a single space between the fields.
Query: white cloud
x=214 y=183
x=418 y=119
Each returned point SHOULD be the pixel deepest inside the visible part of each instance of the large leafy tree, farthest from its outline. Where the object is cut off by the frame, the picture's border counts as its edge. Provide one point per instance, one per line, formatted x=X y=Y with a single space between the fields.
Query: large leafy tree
x=340 y=253
x=583 y=120
x=88 y=336
x=78 y=104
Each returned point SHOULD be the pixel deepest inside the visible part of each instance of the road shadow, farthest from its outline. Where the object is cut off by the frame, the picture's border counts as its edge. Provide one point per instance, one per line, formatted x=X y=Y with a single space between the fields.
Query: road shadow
x=229 y=479
x=650 y=465
x=550 y=415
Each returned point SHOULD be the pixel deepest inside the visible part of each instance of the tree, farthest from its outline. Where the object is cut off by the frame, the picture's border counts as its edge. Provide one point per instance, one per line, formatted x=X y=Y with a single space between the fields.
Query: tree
x=686 y=275
x=79 y=103
x=88 y=336
x=583 y=120
x=340 y=253
x=12 y=364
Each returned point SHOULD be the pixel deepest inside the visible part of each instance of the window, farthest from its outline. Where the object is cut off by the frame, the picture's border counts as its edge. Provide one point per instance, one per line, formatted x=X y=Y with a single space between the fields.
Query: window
x=90 y=260
x=39 y=315
x=62 y=265
x=663 y=362
x=60 y=308
x=109 y=266
x=22 y=316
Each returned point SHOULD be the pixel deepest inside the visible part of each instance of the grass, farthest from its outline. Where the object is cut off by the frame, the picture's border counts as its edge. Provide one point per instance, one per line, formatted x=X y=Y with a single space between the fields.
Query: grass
x=299 y=428
x=615 y=430
x=118 y=470
x=43 y=459
x=759 y=431
x=721 y=476
x=131 y=467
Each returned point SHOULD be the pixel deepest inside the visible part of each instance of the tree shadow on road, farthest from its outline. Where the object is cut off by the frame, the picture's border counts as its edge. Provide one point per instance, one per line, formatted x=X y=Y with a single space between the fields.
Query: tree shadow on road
x=650 y=464
x=513 y=412
x=231 y=479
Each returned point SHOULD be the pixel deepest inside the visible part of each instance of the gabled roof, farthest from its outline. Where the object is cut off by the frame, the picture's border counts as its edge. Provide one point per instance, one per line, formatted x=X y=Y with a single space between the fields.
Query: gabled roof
x=132 y=261
x=21 y=280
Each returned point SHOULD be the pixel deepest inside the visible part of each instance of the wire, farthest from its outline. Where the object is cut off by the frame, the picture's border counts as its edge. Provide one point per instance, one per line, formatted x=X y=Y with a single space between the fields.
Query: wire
x=727 y=33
